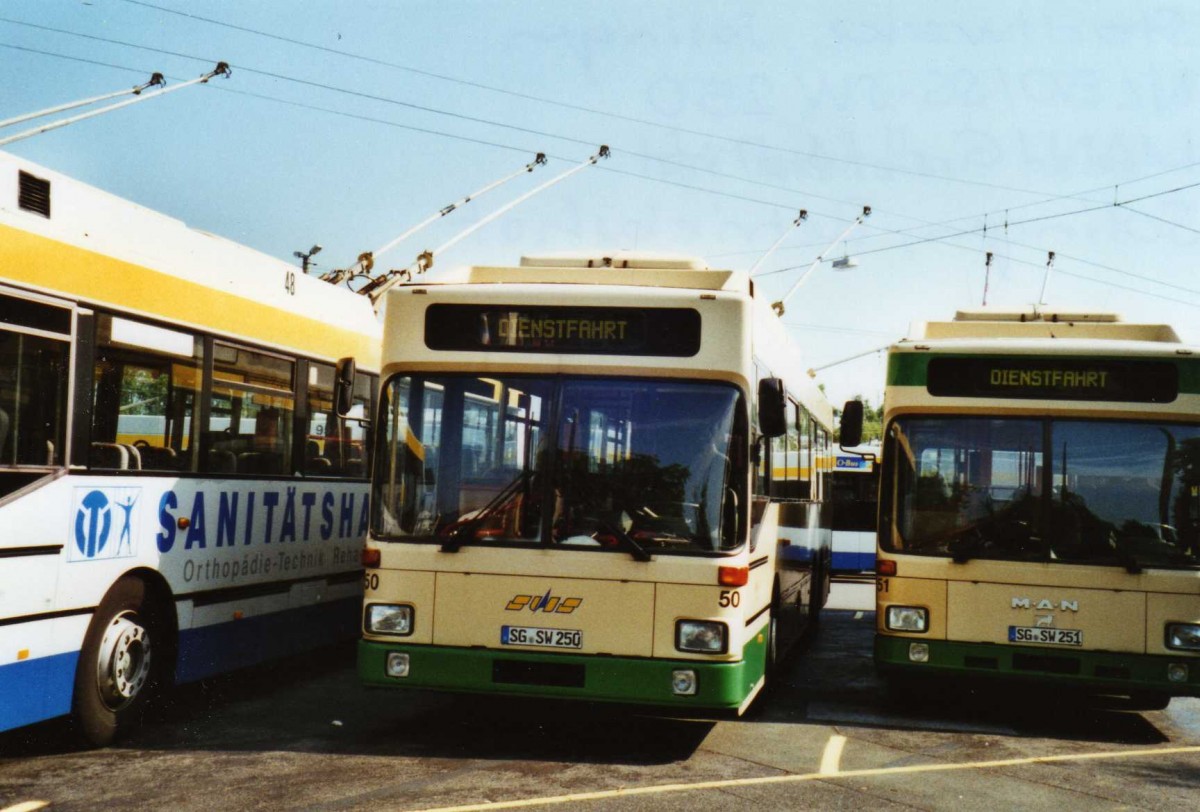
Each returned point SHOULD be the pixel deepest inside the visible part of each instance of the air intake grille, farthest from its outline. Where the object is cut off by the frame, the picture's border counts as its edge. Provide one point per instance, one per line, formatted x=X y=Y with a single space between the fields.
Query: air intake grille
x=34 y=195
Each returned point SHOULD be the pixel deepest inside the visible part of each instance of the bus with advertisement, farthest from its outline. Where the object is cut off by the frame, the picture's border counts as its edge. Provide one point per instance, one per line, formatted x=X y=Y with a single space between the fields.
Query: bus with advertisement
x=853 y=485
x=573 y=493
x=1039 y=511
x=178 y=495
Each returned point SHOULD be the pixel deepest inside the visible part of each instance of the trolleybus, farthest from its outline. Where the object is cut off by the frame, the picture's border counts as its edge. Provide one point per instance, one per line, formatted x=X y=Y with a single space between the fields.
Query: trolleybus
x=573 y=493
x=1040 y=504
x=853 y=486
x=178 y=496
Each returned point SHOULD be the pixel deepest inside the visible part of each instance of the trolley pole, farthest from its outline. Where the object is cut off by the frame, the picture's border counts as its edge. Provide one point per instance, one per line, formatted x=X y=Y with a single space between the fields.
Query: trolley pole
x=778 y=307
x=366 y=260
x=424 y=261
x=222 y=69
x=800 y=218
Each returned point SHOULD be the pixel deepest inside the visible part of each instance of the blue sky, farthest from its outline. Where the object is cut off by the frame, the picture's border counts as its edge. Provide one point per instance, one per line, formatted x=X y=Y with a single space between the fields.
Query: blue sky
x=724 y=119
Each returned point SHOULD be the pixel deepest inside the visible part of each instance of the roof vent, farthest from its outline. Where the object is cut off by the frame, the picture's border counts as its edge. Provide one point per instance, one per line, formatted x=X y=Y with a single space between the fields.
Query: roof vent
x=34 y=194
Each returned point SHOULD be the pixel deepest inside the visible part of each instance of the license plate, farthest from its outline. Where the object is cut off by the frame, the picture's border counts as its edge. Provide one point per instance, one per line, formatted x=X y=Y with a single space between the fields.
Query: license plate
x=1052 y=637
x=545 y=638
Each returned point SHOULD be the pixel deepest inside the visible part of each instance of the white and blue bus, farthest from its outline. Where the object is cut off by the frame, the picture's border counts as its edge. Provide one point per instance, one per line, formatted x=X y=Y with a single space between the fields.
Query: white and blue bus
x=854 y=492
x=178 y=497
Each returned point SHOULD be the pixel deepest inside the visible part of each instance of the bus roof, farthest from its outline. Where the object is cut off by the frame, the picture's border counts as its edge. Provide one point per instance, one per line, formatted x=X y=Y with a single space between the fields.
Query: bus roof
x=1034 y=323
x=63 y=237
x=599 y=268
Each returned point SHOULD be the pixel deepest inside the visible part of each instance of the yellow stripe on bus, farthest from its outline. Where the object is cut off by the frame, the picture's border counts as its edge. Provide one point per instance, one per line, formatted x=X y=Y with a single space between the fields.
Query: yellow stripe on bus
x=94 y=278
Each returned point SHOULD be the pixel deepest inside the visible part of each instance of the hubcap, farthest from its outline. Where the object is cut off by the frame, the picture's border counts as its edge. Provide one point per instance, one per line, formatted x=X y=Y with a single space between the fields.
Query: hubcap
x=124 y=663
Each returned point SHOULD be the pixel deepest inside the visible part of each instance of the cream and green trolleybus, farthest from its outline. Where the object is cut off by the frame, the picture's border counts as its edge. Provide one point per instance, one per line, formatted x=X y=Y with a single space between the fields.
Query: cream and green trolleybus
x=1040 y=504
x=574 y=495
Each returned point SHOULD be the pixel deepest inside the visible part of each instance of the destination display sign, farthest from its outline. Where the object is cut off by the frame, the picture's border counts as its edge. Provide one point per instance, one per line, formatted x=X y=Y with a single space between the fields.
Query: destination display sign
x=1126 y=381
x=673 y=332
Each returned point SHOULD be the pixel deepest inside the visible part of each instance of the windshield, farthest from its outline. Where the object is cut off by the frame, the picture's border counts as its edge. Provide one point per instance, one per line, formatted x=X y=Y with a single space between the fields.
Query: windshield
x=580 y=463
x=1073 y=491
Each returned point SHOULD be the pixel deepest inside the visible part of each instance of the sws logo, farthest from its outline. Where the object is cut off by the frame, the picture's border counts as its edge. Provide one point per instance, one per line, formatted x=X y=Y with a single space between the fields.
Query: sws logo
x=98 y=523
x=543 y=603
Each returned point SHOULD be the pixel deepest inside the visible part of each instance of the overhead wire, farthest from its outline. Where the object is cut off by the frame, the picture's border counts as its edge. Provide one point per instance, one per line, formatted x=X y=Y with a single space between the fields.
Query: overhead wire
x=581 y=108
x=692 y=187
x=489 y=122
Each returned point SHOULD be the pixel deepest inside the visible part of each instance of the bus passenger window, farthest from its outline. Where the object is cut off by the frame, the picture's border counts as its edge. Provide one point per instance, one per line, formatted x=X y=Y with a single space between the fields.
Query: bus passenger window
x=33 y=400
x=335 y=446
x=250 y=414
x=146 y=386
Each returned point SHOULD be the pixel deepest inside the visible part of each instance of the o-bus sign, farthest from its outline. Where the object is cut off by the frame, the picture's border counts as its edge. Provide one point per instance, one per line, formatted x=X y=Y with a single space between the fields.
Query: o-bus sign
x=1048 y=378
x=672 y=332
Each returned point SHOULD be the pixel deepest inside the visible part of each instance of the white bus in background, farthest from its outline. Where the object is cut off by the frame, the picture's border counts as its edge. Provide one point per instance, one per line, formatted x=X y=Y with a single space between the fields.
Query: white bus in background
x=177 y=495
x=854 y=491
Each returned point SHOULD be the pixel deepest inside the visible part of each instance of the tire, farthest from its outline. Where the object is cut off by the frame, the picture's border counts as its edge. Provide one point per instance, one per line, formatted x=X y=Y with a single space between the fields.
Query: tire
x=123 y=663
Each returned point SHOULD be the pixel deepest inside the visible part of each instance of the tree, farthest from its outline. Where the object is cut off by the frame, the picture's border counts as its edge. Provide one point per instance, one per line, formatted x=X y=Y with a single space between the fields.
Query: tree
x=872 y=421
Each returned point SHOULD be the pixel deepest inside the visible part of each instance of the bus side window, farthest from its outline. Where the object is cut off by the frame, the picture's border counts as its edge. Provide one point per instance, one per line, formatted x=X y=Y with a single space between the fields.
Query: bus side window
x=808 y=453
x=146 y=384
x=335 y=446
x=252 y=405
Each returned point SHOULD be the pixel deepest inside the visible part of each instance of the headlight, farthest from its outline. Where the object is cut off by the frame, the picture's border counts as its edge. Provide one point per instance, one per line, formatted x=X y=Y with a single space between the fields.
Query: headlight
x=1183 y=636
x=907 y=618
x=702 y=636
x=386 y=618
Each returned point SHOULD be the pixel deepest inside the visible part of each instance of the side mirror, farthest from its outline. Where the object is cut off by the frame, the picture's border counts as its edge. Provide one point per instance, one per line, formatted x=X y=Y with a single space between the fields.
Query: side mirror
x=772 y=407
x=343 y=386
x=852 y=423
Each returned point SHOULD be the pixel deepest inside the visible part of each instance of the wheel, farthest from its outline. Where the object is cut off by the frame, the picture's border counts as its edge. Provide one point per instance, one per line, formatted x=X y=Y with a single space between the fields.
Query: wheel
x=123 y=663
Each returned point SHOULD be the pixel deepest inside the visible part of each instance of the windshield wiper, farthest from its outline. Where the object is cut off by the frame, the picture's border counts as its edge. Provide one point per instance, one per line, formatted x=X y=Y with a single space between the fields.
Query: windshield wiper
x=636 y=550
x=1129 y=561
x=464 y=531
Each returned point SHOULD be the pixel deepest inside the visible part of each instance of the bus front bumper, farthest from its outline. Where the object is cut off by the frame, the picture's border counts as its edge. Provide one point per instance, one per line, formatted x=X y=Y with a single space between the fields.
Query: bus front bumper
x=718 y=686
x=1101 y=672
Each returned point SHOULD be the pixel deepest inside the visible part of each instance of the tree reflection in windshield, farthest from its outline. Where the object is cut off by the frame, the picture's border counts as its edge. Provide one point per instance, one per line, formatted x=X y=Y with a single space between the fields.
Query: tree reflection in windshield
x=567 y=461
x=1107 y=493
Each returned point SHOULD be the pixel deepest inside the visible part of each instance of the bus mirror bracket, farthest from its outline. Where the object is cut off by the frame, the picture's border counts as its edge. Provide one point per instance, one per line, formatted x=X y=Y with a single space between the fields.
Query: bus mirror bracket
x=852 y=424
x=772 y=407
x=343 y=386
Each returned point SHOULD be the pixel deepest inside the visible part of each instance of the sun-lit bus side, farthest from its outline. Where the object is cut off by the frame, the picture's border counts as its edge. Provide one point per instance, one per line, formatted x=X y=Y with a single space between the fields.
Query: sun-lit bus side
x=1040 y=505
x=571 y=495
x=177 y=495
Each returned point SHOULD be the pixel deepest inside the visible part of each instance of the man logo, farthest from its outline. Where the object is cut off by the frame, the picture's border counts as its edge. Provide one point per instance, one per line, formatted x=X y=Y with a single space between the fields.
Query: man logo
x=543 y=603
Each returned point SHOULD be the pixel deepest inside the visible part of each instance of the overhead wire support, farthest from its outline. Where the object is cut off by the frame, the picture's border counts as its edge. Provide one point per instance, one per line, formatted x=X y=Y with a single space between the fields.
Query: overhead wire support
x=222 y=69
x=800 y=218
x=136 y=90
x=424 y=261
x=778 y=307
x=366 y=260
x=987 y=274
x=1046 y=278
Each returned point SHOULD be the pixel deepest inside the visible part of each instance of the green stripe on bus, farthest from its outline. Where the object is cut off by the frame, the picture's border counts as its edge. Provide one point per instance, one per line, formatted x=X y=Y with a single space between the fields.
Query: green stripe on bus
x=1100 y=671
x=912 y=368
x=720 y=685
